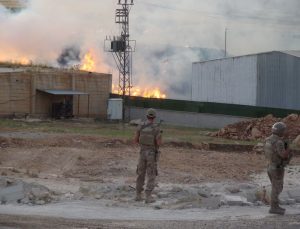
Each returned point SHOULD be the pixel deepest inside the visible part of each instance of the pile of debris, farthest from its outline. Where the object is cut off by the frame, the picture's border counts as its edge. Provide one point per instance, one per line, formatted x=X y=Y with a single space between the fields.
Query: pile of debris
x=259 y=129
x=17 y=191
x=293 y=126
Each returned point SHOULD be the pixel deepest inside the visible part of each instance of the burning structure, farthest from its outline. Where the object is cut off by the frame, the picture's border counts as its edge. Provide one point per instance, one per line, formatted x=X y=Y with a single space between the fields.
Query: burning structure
x=41 y=92
x=13 y=5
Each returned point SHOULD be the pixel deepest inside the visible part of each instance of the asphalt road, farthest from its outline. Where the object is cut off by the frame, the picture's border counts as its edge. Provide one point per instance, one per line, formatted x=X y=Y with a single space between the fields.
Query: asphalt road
x=37 y=222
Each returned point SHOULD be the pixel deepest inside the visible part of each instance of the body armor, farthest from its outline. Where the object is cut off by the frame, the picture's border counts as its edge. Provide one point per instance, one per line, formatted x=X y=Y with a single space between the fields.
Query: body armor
x=147 y=134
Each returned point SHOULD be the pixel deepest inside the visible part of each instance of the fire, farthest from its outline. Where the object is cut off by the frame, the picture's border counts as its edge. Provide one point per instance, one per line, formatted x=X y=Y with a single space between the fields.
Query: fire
x=16 y=60
x=144 y=92
x=88 y=63
x=149 y=93
x=25 y=61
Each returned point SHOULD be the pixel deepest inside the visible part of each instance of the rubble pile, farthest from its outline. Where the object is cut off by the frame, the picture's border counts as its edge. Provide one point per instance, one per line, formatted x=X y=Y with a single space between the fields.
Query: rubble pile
x=17 y=191
x=293 y=125
x=260 y=128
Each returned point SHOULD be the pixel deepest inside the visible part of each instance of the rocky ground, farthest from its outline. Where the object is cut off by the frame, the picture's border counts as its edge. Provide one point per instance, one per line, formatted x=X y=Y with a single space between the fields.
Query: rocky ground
x=63 y=177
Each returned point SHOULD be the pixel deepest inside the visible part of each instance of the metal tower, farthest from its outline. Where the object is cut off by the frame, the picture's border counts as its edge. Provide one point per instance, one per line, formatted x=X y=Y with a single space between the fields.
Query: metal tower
x=122 y=47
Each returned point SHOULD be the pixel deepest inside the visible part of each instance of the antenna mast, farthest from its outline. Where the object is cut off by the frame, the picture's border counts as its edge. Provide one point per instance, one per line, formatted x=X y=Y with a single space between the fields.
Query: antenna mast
x=122 y=47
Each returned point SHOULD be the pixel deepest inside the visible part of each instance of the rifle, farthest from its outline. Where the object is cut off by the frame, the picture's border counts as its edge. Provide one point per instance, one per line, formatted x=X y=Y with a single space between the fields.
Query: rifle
x=286 y=145
x=286 y=161
x=157 y=152
x=156 y=146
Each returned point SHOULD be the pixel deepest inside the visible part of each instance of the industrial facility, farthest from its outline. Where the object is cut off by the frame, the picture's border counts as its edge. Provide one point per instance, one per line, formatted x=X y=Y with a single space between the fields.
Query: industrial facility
x=50 y=92
x=269 y=79
x=225 y=91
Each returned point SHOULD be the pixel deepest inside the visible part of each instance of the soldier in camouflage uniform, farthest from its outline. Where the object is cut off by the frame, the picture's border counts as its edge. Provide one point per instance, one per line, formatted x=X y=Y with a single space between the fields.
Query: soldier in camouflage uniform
x=278 y=156
x=148 y=136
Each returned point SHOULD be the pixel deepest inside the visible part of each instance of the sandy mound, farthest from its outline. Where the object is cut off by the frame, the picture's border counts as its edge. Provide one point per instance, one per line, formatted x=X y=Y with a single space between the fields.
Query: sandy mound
x=260 y=128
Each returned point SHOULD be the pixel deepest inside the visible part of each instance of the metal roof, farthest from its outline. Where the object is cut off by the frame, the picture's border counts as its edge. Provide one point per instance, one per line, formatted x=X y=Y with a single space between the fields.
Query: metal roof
x=62 y=92
x=292 y=53
x=9 y=70
x=295 y=53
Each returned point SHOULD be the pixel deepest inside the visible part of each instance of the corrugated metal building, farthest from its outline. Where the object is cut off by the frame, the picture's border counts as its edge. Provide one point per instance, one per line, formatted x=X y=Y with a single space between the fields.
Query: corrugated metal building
x=40 y=91
x=266 y=79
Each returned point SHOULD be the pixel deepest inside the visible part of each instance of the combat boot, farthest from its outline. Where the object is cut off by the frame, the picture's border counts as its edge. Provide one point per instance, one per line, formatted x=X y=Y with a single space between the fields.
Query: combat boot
x=149 y=198
x=138 y=196
x=277 y=210
x=283 y=209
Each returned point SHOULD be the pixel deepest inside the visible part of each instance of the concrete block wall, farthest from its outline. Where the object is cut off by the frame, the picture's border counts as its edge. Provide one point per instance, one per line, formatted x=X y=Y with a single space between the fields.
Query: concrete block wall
x=15 y=94
x=19 y=94
x=186 y=119
x=98 y=88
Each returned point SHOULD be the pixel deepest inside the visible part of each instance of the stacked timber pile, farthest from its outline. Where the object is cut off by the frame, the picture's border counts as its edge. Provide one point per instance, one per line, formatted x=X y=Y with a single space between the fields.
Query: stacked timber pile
x=260 y=128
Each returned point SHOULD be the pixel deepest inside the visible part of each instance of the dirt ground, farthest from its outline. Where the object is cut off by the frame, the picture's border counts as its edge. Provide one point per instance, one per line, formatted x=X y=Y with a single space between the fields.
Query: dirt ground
x=93 y=167
x=102 y=159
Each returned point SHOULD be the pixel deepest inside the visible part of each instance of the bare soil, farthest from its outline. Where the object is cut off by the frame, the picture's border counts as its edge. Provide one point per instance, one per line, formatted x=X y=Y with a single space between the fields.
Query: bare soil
x=98 y=158
x=68 y=162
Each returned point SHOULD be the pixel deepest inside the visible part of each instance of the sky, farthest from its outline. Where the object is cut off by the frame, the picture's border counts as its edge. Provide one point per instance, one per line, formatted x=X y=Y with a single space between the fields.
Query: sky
x=201 y=23
x=169 y=33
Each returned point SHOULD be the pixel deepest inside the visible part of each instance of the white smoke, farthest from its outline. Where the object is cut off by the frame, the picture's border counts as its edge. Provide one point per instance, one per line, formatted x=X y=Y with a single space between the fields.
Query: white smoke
x=169 y=33
x=45 y=28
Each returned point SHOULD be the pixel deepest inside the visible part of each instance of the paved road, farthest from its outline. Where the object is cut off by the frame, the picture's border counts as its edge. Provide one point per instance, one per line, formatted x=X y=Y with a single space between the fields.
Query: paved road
x=86 y=214
x=37 y=222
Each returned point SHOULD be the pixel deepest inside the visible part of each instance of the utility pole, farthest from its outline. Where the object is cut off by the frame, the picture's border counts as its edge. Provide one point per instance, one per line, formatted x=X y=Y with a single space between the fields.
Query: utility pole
x=225 y=54
x=122 y=47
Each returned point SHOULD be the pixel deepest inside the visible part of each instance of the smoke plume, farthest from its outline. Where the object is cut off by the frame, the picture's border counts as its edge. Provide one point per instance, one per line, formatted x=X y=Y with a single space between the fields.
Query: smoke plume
x=170 y=34
x=69 y=56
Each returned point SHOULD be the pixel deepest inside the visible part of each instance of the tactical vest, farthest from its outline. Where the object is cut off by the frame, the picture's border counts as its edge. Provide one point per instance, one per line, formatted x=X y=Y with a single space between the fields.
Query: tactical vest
x=271 y=152
x=147 y=134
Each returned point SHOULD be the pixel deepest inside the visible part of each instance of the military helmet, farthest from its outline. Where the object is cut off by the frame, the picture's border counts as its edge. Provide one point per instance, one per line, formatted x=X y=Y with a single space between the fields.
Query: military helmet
x=278 y=128
x=151 y=113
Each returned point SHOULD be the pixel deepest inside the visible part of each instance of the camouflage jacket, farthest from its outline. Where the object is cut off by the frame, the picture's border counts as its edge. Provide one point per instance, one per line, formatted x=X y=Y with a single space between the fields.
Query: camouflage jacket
x=274 y=150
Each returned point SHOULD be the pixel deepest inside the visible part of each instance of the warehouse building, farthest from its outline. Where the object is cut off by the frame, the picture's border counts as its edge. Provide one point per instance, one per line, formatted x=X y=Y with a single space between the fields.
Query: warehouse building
x=269 y=79
x=44 y=92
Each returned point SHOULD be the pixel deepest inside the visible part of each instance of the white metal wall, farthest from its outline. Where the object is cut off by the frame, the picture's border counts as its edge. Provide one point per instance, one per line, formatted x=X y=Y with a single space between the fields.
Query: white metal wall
x=279 y=81
x=231 y=80
x=115 y=109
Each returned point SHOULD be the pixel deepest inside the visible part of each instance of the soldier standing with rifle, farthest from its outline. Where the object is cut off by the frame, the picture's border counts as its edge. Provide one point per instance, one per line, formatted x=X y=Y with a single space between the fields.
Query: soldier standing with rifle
x=278 y=155
x=148 y=136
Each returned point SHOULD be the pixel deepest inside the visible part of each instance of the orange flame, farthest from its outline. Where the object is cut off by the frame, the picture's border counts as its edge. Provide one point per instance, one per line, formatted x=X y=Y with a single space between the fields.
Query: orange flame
x=24 y=61
x=143 y=92
x=17 y=60
x=88 y=63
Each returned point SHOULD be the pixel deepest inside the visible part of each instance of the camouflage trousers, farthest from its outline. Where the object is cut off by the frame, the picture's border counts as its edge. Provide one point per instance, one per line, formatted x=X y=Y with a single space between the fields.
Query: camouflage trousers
x=276 y=176
x=147 y=165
